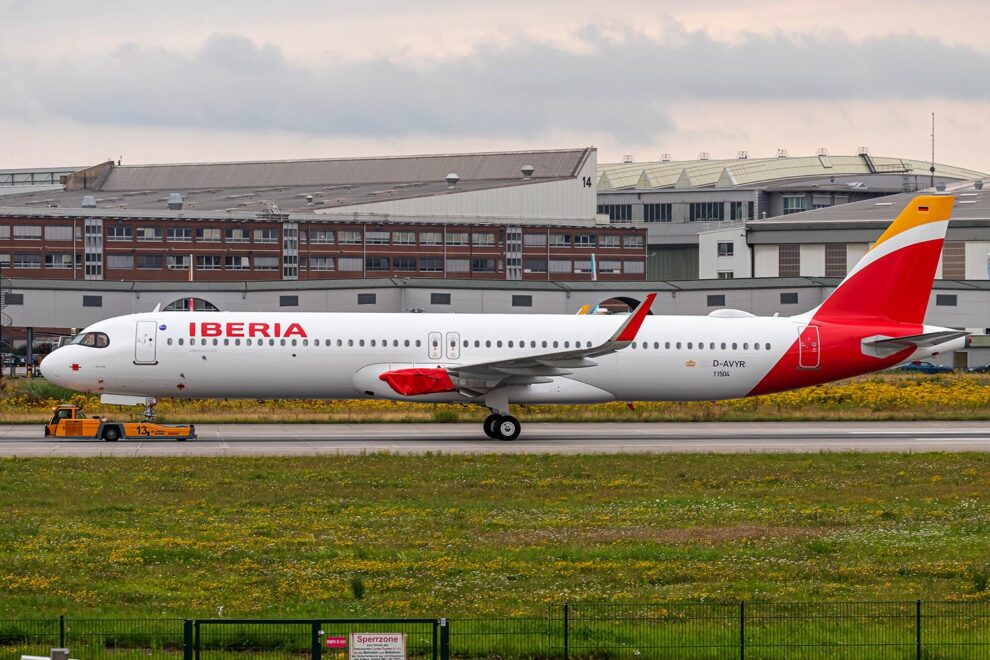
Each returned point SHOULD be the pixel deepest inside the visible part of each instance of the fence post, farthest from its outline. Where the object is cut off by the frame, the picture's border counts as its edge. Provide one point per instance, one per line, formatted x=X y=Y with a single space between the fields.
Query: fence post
x=444 y=640
x=61 y=631
x=317 y=650
x=742 y=629
x=566 y=619
x=196 y=640
x=187 y=640
x=917 y=628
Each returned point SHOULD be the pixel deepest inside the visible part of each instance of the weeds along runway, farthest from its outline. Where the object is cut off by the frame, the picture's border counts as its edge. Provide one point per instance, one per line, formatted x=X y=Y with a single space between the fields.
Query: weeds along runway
x=537 y=438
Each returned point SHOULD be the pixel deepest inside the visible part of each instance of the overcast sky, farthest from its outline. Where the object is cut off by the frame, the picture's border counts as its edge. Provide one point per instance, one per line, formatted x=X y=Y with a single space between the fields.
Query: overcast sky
x=249 y=79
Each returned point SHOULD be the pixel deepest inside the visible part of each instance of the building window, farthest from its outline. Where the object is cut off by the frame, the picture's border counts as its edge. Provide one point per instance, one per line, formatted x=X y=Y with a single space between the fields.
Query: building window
x=377 y=238
x=190 y=305
x=483 y=265
x=288 y=301
x=237 y=263
x=92 y=301
x=582 y=265
x=716 y=300
x=560 y=240
x=430 y=238
x=707 y=212
x=149 y=234
x=404 y=238
x=534 y=265
x=726 y=249
x=376 y=264
x=267 y=236
x=633 y=241
x=179 y=235
x=658 y=212
x=4 y=232
x=27 y=232
x=208 y=262
x=430 y=265
x=954 y=261
x=486 y=239
x=789 y=298
x=119 y=233
x=795 y=204
x=606 y=266
x=835 y=260
x=584 y=240
x=404 y=264
x=264 y=263
x=367 y=298
x=534 y=240
x=789 y=260
x=59 y=261
x=238 y=235
x=178 y=262
x=152 y=261
x=350 y=237
x=321 y=264
x=58 y=233
x=522 y=301
x=616 y=212
x=23 y=260
x=457 y=238
x=737 y=211
x=609 y=241
x=120 y=262
x=14 y=299
x=633 y=267
x=207 y=235
x=350 y=264
x=321 y=236
x=945 y=299
x=458 y=265
x=561 y=265
x=724 y=274
x=439 y=298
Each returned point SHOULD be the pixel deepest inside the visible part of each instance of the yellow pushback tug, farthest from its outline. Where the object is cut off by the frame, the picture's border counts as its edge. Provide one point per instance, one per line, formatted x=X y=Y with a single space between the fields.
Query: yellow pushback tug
x=69 y=422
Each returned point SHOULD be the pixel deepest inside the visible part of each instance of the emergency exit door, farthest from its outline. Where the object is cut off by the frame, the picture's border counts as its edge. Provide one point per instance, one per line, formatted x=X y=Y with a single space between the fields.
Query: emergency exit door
x=453 y=345
x=435 y=343
x=809 y=347
x=145 y=351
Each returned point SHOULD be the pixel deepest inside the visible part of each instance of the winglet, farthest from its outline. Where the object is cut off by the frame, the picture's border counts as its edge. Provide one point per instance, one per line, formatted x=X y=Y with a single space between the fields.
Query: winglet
x=630 y=328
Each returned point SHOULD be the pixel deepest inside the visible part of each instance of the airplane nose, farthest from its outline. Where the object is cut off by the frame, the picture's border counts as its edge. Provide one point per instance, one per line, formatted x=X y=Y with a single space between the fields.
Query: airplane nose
x=53 y=366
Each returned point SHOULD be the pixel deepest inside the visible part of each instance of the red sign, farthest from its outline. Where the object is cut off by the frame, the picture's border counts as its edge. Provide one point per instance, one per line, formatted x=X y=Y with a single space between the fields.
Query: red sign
x=336 y=642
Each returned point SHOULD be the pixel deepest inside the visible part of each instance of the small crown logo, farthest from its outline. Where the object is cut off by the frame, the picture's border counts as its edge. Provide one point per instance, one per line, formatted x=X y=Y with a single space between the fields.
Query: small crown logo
x=691 y=363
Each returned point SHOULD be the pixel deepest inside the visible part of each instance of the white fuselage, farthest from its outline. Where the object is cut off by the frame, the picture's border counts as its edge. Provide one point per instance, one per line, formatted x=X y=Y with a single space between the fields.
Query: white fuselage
x=341 y=355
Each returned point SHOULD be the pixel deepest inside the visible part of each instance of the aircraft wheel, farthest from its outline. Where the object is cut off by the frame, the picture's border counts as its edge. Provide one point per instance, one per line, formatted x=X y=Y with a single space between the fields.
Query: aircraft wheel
x=508 y=428
x=111 y=434
x=489 y=425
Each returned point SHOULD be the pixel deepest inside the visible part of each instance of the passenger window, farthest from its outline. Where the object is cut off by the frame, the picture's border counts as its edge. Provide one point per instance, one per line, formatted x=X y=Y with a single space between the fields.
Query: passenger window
x=360 y=342
x=666 y=345
x=498 y=344
x=488 y=343
x=544 y=344
x=395 y=343
x=555 y=344
x=689 y=345
x=756 y=347
x=418 y=343
x=735 y=346
x=678 y=345
x=372 y=342
x=567 y=344
x=181 y=341
x=767 y=346
x=407 y=342
x=271 y=342
x=305 y=342
x=282 y=342
x=340 y=342
x=656 y=346
x=169 y=342
x=510 y=343
x=745 y=345
x=634 y=344
x=532 y=343
x=203 y=342
x=350 y=342
x=237 y=342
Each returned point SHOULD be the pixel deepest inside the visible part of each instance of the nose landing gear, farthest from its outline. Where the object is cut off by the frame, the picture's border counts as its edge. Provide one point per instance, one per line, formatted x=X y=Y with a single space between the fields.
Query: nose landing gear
x=149 y=409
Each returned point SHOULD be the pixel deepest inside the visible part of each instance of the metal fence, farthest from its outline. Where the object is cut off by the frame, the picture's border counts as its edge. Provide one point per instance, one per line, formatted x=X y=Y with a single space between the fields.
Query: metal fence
x=574 y=631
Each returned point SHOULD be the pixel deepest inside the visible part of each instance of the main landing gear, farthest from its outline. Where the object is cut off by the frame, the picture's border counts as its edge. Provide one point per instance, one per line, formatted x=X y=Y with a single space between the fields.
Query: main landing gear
x=502 y=427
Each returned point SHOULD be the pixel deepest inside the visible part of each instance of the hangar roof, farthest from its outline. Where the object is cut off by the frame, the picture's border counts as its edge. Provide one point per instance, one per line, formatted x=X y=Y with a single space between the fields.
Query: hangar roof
x=284 y=185
x=751 y=172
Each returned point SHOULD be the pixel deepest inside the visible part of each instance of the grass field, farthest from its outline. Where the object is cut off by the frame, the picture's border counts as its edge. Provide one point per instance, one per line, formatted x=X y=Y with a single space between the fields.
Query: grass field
x=485 y=535
x=887 y=396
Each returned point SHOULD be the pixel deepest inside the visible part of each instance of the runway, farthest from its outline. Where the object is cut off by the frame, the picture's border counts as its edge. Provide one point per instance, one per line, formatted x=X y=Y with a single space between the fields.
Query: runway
x=537 y=438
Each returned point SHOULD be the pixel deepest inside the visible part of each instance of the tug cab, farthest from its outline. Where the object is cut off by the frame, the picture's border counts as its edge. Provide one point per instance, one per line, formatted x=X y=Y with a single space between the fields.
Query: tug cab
x=69 y=422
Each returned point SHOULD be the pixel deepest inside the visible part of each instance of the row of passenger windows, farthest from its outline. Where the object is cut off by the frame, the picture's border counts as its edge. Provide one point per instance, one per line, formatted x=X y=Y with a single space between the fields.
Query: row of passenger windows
x=488 y=343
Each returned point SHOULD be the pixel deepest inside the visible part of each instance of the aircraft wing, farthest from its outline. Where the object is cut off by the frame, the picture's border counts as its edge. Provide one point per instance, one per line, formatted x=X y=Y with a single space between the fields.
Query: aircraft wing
x=881 y=345
x=476 y=379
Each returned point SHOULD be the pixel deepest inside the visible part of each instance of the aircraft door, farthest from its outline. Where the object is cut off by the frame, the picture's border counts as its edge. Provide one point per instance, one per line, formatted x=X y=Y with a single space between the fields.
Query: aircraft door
x=453 y=345
x=435 y=344
x=809 y=347
x=145 y=351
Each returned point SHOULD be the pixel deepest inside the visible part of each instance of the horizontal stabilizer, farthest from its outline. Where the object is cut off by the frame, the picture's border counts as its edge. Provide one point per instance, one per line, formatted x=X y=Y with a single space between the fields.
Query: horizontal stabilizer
x=882 y=346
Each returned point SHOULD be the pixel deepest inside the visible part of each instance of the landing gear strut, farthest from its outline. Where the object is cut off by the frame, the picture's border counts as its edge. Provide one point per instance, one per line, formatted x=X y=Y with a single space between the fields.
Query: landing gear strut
x=149 y=409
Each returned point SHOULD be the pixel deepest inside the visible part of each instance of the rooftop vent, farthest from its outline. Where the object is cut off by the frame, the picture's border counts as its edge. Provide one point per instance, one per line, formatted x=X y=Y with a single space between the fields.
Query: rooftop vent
x=89 y=202
x=704 y=155
x=863 y=151
x=978 y=185
x=628 y=158
x=781 y=153
x=940 y=187
x=309 y=200
x=175 y=201
x=664 y=158
x=822 y=151
x=527 y=171
x=742 y=155
x=452 y=179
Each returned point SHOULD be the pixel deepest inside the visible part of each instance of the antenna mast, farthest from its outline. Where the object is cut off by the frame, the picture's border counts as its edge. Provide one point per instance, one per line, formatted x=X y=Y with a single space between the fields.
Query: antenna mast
x=931 y=169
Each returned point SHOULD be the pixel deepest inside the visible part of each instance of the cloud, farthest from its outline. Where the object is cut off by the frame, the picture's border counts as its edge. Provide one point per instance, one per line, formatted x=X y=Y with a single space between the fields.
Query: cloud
x=618 y=83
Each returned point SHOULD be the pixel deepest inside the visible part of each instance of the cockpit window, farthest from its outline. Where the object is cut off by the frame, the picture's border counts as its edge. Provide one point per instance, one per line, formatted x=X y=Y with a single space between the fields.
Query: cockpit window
x=92 y=339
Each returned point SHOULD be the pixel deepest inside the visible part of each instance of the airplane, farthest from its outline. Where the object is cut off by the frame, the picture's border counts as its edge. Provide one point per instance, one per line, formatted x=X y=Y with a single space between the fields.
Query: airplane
x=873 y=320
